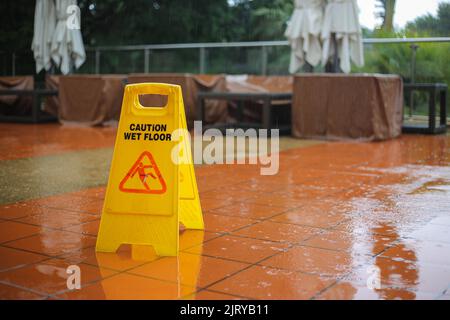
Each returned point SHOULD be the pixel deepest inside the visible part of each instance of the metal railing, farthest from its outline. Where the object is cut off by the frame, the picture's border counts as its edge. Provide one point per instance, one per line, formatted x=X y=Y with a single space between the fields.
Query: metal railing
x=263 y=45
x=149 y=49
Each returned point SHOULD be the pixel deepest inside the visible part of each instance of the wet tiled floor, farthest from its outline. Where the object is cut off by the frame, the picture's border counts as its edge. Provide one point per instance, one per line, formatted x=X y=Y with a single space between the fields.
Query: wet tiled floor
x=334 y=217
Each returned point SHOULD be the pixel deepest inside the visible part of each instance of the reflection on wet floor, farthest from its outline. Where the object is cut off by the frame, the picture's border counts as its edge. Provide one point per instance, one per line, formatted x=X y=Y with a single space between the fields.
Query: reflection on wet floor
x=336 y=216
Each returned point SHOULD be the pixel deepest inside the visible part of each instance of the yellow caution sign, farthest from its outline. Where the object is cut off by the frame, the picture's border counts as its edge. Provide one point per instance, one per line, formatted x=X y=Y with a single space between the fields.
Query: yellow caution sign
x=152 y=185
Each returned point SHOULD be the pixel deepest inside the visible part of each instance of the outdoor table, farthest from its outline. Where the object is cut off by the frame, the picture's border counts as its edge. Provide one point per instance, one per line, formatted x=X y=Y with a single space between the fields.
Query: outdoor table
x=266 y=98
x=86 y=99
x=36 y=114
x=357 y=106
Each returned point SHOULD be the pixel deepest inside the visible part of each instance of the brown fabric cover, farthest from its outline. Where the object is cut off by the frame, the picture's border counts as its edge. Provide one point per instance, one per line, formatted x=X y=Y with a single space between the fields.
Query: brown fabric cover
x=96 y=99
x=16 y=105
x=336 y=106
x=250 y=84
x=215 y=111
x=252 y=111
x=86 y=99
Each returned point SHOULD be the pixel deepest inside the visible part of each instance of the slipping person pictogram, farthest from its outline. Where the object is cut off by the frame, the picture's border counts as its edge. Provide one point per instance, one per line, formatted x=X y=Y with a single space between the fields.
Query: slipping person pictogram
x=151 y=180
x=142 y=175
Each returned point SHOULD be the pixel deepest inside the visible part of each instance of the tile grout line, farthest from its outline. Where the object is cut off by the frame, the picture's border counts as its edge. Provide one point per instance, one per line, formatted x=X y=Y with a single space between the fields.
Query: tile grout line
x=11 y=284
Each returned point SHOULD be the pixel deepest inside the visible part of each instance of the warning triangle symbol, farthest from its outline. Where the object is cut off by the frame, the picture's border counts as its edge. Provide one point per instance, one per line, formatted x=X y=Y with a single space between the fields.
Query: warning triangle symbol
x=144 y=177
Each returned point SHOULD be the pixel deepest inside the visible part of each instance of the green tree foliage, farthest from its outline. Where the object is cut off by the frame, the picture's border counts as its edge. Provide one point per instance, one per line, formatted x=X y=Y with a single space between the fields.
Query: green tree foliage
x=16 y=34
x=434 y=26
x=114 y=22
x=432 y=59
x=387 y=11
x=121 y=22
x=16 y=24
x=269 y=19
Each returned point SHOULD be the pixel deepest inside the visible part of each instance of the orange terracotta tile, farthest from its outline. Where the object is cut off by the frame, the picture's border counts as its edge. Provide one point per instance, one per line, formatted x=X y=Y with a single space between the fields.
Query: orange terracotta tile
x=312 y=260
x=211 y=295
x=53 y=242
x=210 y=203
x=19 y=210
x=88 y=228
x=121 y=260
x=353 y=226
x=302 y=194
x=304 y=217
x=57 y=218
x=385 y=229
x=332 y=240
x=97 y=193
x=129 y=287
x=380 y=235
x=12 y=258
x=8 y=292
x=347 y=291
x=283 y=201
x=221 y=179
x=376 y=205
x=296 y=178
x=189 y=269
x=221 y=224
x=249 y=210
x=13 y=230
x=239 y=249
x=263 y=185
x=50 y=276
x=375 y=244
x=93 y=207
x=192 y=238
x=269 y=283
x=281 y=232
x=347 y=180
x=230 y=194
x=72 y=203
x=32 y=140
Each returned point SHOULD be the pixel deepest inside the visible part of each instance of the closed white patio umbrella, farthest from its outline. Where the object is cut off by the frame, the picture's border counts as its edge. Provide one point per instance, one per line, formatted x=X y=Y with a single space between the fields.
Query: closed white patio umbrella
x=44 y=27
x=303 y=33
x=341 y=21
x=67 y=48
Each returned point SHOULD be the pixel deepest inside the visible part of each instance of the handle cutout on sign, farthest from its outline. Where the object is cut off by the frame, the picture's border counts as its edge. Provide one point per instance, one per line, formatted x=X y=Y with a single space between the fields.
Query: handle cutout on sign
x=153 y=100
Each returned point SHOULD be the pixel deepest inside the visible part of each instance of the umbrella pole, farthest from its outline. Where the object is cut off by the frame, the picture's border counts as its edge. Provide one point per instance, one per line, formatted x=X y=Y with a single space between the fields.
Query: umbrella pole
x=308 y=68
x=335 y=56
x=71 y=66
x=52 y=69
